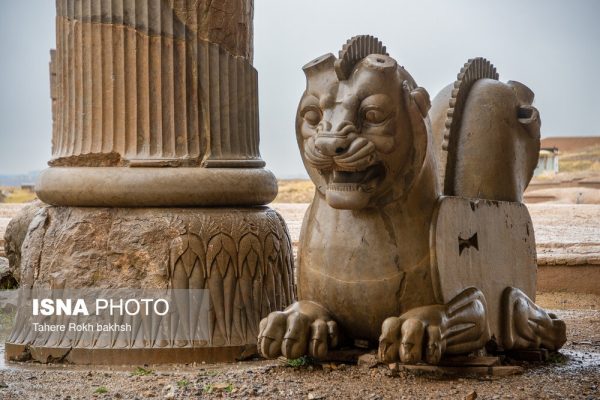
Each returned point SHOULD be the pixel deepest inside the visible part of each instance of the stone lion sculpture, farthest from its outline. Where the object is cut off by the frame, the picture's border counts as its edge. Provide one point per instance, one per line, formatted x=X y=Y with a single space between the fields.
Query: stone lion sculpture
x=407 y=246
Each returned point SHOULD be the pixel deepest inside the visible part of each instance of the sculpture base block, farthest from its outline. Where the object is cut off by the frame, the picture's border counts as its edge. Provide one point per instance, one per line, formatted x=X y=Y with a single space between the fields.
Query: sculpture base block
x=458 y=372
x=240 y=258
x=156 y=186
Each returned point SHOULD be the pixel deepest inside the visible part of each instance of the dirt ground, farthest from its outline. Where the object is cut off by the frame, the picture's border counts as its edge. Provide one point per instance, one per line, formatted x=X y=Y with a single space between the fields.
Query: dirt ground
x=575 y=373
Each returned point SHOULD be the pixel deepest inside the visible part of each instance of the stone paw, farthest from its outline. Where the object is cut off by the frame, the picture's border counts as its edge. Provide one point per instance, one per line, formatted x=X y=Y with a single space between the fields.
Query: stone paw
x=304 y=328
x=412 y=340
x=529 y=326
x=425 y=334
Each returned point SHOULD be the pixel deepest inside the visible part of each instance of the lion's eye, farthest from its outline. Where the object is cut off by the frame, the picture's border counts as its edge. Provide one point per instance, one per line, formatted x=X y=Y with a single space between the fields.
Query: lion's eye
x=373 y=116
x=312 y=115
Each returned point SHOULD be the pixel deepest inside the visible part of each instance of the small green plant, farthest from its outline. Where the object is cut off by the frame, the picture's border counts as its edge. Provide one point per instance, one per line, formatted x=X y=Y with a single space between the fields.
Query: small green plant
x=210 y=372
x=303 y=361
x=557 y=358
x=218 y=387
x=9 y=283
x=208 y=389
x=141 y=371
x=101 y=390
x=183 y=383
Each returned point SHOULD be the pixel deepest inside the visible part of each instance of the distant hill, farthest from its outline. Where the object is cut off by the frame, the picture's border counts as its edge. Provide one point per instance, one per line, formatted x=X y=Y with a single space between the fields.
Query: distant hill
x=571 y=144
x=580 y=159
x=19 y=179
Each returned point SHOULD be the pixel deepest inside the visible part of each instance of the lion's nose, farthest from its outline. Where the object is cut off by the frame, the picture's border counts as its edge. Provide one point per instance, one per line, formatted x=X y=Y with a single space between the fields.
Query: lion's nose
x=332 y=145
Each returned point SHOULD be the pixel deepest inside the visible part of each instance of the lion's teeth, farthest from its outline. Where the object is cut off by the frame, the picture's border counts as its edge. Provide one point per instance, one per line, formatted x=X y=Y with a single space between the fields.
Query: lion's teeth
x=343 y=187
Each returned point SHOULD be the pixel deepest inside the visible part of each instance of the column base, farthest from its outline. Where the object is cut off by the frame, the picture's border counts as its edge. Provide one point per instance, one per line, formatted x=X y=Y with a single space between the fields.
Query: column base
x=156 y=187
x=240 y=258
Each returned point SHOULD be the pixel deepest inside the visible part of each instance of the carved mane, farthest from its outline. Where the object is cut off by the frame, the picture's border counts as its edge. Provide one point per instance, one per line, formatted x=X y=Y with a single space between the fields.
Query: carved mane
x=355 y=49
x=473 y=70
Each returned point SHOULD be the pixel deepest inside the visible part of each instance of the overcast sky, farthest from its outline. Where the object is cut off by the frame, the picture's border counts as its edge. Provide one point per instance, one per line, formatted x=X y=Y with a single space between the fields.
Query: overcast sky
x=551 y=46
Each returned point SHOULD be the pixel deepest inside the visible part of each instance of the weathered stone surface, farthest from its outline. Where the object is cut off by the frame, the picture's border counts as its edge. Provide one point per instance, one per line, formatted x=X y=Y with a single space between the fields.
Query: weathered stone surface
x=364 y=255
x=15 y=235
x=166 y=187
x=132 y=248
x=145 y=99
x=368 y=360
x=242 y=256
x=155 y=105
x=467 y=371
x=469 y=242
x=490 y=127
x=225 y=22
x=382 y=256
x=155 y=92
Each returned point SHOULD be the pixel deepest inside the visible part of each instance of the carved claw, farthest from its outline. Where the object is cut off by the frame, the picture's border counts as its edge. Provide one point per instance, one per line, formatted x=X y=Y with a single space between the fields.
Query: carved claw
x=427 y=333
x=304 y=328
x=435 y=345
x=389 y=341
x=528 y=326
x=272 y=329
x=411 y=344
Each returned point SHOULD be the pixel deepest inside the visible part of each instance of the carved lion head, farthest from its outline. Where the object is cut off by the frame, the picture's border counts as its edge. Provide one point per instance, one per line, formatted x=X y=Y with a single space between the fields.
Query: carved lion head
x=361 y=126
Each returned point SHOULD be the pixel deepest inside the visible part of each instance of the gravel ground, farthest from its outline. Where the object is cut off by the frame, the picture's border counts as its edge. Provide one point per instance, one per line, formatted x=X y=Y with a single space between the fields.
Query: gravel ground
x=576 y=375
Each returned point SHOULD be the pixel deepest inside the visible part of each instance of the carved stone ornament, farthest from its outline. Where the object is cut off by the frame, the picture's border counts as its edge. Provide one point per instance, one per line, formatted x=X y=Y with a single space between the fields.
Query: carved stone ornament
x=388 y=256
x=241 y=258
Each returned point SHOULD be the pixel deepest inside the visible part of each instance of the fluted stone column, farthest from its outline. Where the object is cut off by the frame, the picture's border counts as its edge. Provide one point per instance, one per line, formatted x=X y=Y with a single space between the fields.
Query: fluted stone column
x=155 y=88
x=155 y=118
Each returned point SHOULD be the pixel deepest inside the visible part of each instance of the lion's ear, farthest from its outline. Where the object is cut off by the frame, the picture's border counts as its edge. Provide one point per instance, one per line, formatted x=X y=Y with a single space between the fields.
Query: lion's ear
x=421 y=99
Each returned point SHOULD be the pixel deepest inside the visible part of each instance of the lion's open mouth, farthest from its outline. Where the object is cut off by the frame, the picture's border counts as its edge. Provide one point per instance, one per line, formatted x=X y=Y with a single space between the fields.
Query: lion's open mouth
x=349 y=181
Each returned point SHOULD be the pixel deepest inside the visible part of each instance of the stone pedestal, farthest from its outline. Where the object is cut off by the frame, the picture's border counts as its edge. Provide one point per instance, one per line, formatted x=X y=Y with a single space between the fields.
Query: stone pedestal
x=155 y=106
x=242 y=256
